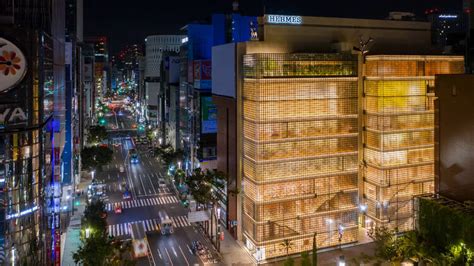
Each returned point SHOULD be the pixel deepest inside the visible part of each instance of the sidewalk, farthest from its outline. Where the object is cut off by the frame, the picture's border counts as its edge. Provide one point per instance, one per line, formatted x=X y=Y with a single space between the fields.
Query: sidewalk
x=352 y=253
x=233 y=253
x=71 y=237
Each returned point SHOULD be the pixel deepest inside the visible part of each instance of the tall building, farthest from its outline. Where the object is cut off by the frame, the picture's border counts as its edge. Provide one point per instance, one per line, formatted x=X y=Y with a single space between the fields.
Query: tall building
x=448 y=29
x=89 y=92
x=312 y=120
x=127 y=64
x=300 y=150
x=399 y=134
x=454 y=169
x=73 y=124
x=198 y=113
x=154 y=47
x=32 y=34
x=101 y=68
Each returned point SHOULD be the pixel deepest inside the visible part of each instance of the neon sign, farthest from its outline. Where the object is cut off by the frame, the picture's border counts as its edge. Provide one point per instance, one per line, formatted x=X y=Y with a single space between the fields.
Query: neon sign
x=448 y=16
x=284 y=19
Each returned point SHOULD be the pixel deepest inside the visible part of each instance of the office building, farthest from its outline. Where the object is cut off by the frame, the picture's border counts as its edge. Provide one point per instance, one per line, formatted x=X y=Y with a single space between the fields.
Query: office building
x=198 y=112
x=32 y=33
x=127 y=65
x=89 y=92
x=448 y=30
x=454 y=169
x=300 y=117
x=154 y=47
x=102 y=77
x=73 y=120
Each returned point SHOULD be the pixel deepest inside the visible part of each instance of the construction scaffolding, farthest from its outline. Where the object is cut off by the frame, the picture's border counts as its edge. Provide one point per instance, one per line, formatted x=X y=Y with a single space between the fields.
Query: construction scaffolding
x=399 y=134
x=300 y=151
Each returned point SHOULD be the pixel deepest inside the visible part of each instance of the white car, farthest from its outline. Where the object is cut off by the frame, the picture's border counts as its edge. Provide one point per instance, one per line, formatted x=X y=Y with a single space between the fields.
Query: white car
x=122 y=169
x=162 y=183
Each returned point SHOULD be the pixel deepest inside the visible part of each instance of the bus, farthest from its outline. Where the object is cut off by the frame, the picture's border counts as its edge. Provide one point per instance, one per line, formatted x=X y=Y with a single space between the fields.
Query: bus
x=133 y=155
x=139 y=239
x=166 y=224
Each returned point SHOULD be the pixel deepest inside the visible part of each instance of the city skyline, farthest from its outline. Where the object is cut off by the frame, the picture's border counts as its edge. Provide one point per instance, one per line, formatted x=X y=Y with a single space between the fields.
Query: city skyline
x=113 y=18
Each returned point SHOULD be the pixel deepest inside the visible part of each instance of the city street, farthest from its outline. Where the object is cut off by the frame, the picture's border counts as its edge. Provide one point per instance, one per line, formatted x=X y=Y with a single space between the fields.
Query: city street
x=147 y=199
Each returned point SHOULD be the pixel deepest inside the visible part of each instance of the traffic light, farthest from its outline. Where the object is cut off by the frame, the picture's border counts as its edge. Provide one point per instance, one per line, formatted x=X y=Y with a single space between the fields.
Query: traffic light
x=102 y=121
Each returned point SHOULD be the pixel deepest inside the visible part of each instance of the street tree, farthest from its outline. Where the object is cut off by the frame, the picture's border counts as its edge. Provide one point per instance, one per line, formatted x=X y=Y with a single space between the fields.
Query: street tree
x=168 y=155
x=96 y=247
x=305 y=260
x=96 y=156
x=315 y=251
x=204 y=186
x=96 y=134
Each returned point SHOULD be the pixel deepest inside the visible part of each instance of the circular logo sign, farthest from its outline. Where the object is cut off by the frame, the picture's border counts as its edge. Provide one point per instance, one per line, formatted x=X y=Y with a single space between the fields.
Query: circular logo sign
x=12 y=65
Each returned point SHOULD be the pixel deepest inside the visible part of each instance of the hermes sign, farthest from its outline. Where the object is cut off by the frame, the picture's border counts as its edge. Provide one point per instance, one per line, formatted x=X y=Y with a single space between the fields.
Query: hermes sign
x=283 y=19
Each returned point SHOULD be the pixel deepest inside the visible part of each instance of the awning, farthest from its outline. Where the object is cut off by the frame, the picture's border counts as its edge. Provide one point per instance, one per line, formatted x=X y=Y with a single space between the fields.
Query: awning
x=198 y=216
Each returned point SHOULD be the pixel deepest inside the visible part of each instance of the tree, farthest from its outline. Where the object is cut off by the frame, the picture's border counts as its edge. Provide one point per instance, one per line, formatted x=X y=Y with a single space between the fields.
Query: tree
x=168 y=155
x=96 y=134
x=386 y=244
x=95 y=156
x=289 y=262
x=94 y=217
x=315 y=251
x=203 y=186
x=97 y=248
x=287 y=245
x=305 y=260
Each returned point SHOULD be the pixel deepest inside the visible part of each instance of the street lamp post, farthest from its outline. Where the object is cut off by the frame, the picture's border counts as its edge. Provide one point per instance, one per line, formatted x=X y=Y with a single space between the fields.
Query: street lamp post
x=88 y=232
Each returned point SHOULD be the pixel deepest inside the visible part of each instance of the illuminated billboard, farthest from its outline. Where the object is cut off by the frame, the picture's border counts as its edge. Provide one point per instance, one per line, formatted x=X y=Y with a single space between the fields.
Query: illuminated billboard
x=208 y=115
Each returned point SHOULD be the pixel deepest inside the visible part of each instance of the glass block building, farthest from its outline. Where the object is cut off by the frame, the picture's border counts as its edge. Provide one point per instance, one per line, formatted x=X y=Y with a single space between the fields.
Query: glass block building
x=398 y=134
x=300 y=151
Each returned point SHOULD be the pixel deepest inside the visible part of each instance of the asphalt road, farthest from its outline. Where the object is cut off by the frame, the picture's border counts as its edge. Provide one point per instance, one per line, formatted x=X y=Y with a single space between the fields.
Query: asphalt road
x=148 y=198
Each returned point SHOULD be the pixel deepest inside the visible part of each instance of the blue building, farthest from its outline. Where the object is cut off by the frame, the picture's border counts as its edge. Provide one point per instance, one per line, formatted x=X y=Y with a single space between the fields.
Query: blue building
x=198 y=112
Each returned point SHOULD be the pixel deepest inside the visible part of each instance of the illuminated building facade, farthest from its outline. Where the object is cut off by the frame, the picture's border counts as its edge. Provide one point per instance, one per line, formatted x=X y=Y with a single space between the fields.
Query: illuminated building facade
x=312 y=135
x=101 y=76
x=399 y=134
x=300 y=151
x=32 y=88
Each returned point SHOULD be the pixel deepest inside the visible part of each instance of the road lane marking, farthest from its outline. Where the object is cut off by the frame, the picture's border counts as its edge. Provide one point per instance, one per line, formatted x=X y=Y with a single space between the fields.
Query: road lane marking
x=152 y=186
x=174 y=252
x=189 y=249
x=143 y=186
x=159 y=253
x=169 y=257
x=187 y=262
x=151 y=253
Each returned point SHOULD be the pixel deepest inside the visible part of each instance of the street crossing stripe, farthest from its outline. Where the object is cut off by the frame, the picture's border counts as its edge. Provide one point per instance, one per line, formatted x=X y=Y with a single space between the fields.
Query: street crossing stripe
x=143 y=202
x=115 y=230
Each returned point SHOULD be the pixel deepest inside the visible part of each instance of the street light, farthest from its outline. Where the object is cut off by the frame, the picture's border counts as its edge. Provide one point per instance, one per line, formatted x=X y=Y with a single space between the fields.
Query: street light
x=160 y=140
x=88 y=232
x=179 y=164
x=13 y=255
x=93 y=174
x=342 y=261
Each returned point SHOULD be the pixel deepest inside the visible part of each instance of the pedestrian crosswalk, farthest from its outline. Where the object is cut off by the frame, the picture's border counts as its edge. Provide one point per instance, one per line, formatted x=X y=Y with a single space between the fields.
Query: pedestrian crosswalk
x=116 y=230
x=144 y=202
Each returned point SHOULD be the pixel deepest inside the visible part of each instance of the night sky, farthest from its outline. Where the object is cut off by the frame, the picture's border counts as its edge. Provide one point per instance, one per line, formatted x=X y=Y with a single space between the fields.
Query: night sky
x=130 y=21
